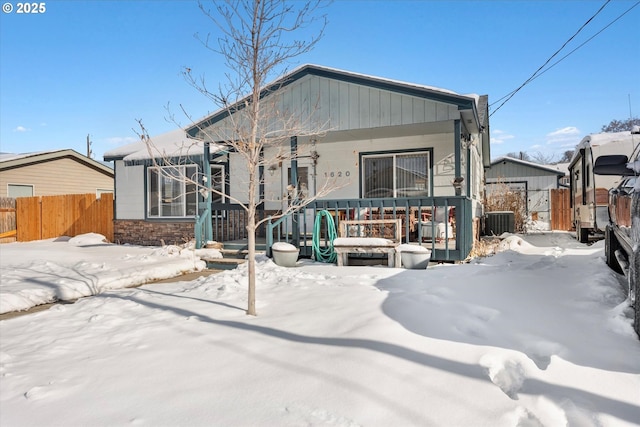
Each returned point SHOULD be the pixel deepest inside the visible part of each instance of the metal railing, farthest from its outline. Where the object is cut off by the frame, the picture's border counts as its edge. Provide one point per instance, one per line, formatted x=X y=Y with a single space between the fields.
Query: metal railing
x=442 y=224
x=200 y=229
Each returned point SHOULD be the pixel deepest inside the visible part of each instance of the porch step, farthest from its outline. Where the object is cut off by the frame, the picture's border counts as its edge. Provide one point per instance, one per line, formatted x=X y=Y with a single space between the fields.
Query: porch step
x=240 y=246
x=239 y=254
x=224 y=263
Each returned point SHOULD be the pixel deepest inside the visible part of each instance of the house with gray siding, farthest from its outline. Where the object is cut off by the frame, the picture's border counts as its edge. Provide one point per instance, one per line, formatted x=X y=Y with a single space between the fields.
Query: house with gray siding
x=402 y=149
x=533 y=180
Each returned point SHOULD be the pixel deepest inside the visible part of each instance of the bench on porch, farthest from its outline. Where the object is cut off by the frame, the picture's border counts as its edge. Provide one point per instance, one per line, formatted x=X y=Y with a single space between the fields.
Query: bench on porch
x=370 y=236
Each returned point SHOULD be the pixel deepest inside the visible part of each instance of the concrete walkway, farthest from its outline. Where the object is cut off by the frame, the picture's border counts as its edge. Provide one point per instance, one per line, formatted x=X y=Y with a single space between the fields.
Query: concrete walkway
x=187 y=277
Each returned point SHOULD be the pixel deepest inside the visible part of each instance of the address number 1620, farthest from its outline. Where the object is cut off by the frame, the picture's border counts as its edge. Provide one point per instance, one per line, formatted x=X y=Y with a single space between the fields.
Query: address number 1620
x=336 y=174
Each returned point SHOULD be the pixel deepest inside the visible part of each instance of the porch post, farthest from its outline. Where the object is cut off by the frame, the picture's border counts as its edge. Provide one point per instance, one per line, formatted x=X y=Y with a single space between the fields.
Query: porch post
x=207 y=170
x=457 y=148
x=295 y=232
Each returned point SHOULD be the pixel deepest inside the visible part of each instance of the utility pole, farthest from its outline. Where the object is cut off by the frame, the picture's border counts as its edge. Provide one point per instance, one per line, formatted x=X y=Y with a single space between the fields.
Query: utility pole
x=89 y=153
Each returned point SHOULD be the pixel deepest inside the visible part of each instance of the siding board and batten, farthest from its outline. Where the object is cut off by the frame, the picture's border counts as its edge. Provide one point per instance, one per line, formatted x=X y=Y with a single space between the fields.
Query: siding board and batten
x=351 y=106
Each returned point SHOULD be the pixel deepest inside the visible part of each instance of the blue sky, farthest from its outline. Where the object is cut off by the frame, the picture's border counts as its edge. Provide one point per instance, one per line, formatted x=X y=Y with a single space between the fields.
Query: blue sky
x=95 y=67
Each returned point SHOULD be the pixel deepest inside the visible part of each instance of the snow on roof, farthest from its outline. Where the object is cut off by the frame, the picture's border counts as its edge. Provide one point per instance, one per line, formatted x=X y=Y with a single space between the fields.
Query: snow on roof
x=7 y=157
x=9 y=160
x=549 y=168
x=371 y=77
x=173 y=144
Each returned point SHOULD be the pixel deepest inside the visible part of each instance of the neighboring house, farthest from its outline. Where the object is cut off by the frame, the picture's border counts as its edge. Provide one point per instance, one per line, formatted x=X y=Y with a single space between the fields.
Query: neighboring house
x=534 y=181
x=49 y=173
x=400 y=146
x=565 y=180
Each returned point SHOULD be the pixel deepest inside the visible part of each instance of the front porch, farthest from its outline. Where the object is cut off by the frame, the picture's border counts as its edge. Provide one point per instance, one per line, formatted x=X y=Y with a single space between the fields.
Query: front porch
x=442 y=224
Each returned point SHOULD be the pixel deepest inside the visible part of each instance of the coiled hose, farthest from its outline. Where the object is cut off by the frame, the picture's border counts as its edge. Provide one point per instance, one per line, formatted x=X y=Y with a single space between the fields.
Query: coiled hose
x=327 y=254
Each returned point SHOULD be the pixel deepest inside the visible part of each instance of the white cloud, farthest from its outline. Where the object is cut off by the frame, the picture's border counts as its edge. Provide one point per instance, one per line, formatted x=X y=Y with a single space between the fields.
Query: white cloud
x=21 y=129
x=566 y=136
x=121 y=140
x=500 y=137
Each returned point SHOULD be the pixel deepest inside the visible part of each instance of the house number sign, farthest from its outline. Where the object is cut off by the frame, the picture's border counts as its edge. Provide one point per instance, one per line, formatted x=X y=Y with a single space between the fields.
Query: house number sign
x=336 y=174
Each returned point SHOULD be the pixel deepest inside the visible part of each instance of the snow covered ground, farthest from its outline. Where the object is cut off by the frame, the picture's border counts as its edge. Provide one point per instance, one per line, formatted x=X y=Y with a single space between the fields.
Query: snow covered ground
x=532 y=336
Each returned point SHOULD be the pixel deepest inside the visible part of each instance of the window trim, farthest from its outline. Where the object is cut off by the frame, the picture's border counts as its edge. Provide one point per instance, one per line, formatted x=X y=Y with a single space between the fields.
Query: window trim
x=14 y=184
x=182 y=194
x=368 y=154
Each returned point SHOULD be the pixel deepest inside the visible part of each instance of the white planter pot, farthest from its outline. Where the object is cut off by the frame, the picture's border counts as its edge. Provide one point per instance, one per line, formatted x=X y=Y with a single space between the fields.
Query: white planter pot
x=415 y=260
x=285 y=255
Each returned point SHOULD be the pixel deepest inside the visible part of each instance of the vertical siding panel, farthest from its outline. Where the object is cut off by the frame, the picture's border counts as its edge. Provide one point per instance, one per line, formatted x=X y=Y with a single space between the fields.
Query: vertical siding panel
x=396 y=109
x=407 y=110
x=334 y=104
x=354 y=104
x=308 y=109
x=343 y=94
x=385 y=108
x=418 y=110
x=430 y=111
x=364 y=107
x=374 y=108
x=323 y=103
x=442 y=112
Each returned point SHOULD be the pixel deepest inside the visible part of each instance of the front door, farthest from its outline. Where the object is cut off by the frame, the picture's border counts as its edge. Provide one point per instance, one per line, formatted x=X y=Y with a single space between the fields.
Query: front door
x=304 y=189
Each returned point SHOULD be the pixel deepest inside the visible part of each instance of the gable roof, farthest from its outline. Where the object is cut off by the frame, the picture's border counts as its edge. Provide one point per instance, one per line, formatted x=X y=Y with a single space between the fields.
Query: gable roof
x=469 y=103
x=12 y=161
x=550 y=169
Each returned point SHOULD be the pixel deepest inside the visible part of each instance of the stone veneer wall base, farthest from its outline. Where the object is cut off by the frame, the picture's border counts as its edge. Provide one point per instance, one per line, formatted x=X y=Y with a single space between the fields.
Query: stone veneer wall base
x=147 y=233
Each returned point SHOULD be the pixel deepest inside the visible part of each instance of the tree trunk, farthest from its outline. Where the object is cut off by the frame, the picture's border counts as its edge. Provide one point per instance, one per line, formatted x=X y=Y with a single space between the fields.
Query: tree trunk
x=251 y=264
x=251 y=239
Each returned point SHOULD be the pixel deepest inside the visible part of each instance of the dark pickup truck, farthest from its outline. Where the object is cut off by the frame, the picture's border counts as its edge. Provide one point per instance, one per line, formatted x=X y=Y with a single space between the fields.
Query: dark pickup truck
x=622 y=233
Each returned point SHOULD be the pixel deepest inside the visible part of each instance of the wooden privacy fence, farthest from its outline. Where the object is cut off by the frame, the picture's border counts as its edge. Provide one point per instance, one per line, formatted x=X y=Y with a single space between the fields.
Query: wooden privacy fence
x=45 y=217
x=560 y=209
x=7 y=219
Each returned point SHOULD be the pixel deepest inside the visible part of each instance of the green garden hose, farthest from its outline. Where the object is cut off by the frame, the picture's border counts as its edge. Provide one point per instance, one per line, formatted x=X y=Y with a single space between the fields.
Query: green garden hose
x=327 y=254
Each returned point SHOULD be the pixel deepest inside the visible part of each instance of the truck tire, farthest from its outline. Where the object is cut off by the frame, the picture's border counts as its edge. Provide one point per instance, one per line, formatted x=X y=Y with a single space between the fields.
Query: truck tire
x=611 y=245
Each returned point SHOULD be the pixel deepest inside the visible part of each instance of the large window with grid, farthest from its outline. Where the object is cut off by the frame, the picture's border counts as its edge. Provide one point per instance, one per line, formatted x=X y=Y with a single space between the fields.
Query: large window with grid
x=396 y=175
x=168 y=196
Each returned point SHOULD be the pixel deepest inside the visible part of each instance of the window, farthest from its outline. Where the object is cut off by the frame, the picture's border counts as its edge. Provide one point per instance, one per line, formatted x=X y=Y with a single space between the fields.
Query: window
x=19 y=190
x=168 y=195
x=396 y=175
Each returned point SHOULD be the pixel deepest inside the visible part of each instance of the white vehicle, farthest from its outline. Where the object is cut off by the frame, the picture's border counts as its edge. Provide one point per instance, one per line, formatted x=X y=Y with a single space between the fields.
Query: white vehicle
x=590 y=193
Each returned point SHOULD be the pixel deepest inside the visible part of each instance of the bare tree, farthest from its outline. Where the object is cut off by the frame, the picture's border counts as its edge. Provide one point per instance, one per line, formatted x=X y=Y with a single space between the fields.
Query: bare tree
x=566 y=156
x=520 y=155
x=258 y=41
x=542 y=158
x=621 y=125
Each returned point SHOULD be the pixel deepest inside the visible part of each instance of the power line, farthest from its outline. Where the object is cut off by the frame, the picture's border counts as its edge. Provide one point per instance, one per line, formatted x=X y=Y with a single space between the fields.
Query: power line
x=548 y=60
x=570 y=53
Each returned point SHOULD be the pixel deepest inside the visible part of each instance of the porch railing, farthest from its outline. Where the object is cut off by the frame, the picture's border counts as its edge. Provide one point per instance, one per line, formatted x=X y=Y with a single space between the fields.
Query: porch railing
x=200 y=229
x=442 y=224
x=229 y=222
